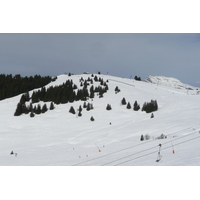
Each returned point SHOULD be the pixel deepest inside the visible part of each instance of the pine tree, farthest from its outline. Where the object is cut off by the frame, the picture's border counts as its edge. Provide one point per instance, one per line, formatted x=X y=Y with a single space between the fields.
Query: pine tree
x=35 y=109
x=128 y=106
x=18 y=111
x=80 y=109
x=108 y=107
x=95 y=79
x=123 y=101
x=84 y=104
x=71 y=110
x=25 y=109
x=30 y=107
x=92 y=118
x=141 y=138
x=44 y=108
x=92 y=92
x=52 y=106
x=38 y=110
x=32 y=114
x=136 y=106
x=144 y=106
x=88 y=107
x=23 y=99
x=79 y=113
x=117 y=90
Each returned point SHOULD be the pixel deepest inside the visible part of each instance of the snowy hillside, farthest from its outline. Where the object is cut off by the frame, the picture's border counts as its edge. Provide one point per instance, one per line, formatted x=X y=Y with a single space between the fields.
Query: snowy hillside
x=58 y=137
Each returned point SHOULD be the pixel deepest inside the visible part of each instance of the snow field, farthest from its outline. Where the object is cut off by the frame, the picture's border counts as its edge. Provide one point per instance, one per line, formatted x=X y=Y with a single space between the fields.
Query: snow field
x=58 y=138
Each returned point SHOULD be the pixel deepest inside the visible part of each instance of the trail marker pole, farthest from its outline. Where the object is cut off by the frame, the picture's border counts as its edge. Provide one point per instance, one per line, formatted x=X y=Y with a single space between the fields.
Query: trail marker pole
x=172 y=146
x=98 y=148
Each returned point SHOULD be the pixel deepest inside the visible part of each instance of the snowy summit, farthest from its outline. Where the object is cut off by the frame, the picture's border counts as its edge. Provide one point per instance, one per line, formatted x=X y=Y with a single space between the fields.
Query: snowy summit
x=169 y=82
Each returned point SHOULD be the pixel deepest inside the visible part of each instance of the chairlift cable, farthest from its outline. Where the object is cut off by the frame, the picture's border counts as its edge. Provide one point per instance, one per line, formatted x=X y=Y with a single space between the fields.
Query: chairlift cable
x=156 y=151
x=147 y=149
x=96 y=158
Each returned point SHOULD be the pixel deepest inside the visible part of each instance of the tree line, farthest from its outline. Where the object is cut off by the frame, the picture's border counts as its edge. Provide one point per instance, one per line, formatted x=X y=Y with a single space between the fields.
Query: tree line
x=11 y=86
x=68 y=92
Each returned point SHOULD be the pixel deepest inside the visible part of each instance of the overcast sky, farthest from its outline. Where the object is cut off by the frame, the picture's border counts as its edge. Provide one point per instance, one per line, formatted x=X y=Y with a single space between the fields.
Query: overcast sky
x=123 y=55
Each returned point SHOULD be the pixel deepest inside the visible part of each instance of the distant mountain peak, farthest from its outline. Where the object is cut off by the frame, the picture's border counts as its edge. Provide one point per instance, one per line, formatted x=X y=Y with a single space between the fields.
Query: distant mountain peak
x=169 y=82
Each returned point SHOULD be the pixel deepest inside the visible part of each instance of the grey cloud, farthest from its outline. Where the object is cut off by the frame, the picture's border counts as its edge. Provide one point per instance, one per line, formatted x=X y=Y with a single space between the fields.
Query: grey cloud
x=175 y=55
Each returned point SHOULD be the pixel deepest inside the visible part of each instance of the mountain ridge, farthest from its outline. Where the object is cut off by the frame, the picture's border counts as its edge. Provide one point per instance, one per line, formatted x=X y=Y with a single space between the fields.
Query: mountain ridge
x=169 y=81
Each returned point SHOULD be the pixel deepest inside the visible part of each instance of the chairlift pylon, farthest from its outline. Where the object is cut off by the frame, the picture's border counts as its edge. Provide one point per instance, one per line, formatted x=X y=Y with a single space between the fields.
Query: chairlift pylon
x=159 y=156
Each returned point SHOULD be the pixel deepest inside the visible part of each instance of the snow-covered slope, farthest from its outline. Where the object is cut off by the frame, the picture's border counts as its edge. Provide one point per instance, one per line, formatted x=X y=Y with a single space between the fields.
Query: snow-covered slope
x=60 y=138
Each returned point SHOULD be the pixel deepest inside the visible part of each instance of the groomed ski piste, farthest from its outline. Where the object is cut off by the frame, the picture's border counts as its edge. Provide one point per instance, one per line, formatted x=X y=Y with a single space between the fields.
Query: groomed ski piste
x=59 y=138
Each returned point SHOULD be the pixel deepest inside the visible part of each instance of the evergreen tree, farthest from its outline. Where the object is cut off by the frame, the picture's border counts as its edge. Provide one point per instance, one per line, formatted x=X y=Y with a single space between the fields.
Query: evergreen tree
x=71 y=110
x=108 y=107
x=79 y=113
x=38 y=110
x=30 y=107
x=106 y=88
x=88 y=107
x=44 y=108
x=52 y=106
x=23 y=99
x=25 y=109
x=92 y=118
x=128 y=106
x=18 y=111
x=80 y=109
x=144 y=106
x=141 y=138
x=92 y=92
x=117 y=90
x=35 y=109
x=32 y=114
x=95 y=79
x=84 y=105
x=136 y=106
x=123 y=101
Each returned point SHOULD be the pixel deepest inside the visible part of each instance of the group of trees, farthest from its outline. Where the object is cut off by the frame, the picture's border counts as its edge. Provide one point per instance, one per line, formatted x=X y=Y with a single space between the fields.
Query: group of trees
x=11 y=86
x=67 y=92
x=88 y=106
x=136 y=106
x=37 y=109
x=148 y=107
x=137 y=78
x=151 y=106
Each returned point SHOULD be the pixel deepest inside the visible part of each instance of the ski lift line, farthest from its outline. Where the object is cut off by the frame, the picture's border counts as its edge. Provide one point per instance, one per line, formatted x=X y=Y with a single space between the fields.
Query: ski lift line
x=148 y=149
x=183 y=129
x=121 y=82
x=130 y=155
x=156 y=151
x=133 y=147
x=111 y=153
x=178 y=138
